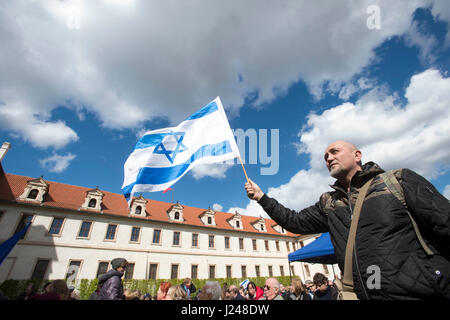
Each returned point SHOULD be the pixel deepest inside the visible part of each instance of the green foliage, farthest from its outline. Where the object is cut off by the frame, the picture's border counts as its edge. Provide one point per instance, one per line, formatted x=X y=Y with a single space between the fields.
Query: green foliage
x=13 y=288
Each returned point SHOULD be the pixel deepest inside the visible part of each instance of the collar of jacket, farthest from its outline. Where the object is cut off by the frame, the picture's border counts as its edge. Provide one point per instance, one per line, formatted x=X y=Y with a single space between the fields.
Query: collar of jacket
x=369 y=170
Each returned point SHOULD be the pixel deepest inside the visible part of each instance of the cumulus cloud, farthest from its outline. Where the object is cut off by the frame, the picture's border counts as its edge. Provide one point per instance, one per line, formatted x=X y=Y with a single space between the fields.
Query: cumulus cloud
x=415 y=136
x=131 y=61
x=213 y=170
x=217 y=207
x=57 y=163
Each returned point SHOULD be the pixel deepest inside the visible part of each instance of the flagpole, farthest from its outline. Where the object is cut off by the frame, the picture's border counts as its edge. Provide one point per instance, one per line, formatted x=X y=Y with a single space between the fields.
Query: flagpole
x=243 y=168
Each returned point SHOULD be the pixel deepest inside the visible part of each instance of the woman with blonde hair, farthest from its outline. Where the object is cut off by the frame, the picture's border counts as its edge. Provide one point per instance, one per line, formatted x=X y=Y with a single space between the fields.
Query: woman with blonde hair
x=298 y=290
x=176 y=293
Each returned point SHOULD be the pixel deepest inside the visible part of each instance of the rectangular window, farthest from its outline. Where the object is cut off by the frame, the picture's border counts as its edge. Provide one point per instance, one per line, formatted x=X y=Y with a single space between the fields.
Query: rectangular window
x=129 y=270
x=212 y=272
x=156 y=236
x=111 y=232
x=292 y=270
x=266 y=244
x=244 y=271
x=195 y=240
x=72 y=271
x=282 y=271
x=254 y=245
x=153 y=270
x=241 y=243
x=277 y=245
x=194 y=271
x=229 y=272
x=102 y=268
x=22 y=223
x=308 y=273
x=174 y=271
x=227 y=242
x=40 y=269
x=302 y=244
x=287 y=246
x=257 y=271
x=211 y=242
x=56 y=226
x=270 y=271
x=293 y=246
x=176 y=238
x=135 y=232
x=85 y=229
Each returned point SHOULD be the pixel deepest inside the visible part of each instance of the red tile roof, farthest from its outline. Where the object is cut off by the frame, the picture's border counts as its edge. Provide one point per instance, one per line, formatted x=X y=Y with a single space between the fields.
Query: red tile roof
x=71 y=197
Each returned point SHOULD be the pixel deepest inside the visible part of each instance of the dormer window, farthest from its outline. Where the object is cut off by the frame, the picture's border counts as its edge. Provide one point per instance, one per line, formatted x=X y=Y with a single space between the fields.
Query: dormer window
x=208 y=217
x=260 y=225
x=138 y=210
x=139 y=206
x=93 y=200
x=236 y=221
x=35 y=190
x=175 y=213
x=279 y=229
x=33 y=194
x=92 y=203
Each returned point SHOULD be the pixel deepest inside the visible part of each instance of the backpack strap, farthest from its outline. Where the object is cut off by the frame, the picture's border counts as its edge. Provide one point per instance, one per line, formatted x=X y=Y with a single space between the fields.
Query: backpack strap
x=347 y=281
x=396 y=189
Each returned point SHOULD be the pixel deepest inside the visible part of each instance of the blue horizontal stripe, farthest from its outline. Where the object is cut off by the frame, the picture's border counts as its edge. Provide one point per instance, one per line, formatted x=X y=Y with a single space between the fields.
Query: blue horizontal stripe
x=209 y=108
x=154 y=176
x=150 y=140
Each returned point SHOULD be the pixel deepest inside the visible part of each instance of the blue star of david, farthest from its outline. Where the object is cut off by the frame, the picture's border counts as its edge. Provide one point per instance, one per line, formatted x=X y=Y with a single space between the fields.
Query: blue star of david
x=171 y=154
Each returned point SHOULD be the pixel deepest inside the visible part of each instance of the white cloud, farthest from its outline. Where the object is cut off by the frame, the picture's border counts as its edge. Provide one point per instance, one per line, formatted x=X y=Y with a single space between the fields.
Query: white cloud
x=447 y=192
x=217 y=207
x=57 y=163
x=414 y=136
x=214 y=170
x=143 y=59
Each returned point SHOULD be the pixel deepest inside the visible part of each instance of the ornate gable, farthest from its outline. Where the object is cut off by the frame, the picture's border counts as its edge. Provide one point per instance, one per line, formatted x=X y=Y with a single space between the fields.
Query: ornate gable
x=139 y=206
x=260 y=225
x=175 y=213
x=93 y=200
x=208 y=217
x=35 y=190
x=236 y=221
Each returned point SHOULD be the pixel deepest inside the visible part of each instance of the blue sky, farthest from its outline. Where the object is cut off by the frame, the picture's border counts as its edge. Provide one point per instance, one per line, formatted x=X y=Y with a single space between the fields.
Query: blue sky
x=80 y=81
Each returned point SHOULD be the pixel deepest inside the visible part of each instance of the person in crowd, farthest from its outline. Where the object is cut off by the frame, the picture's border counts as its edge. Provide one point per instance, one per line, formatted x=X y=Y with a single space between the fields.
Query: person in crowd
x=176 y=293
x=243 y=292
x=210 y=291
x=110 y=283
x=162 y=291
x=254 y=292
x=284 y=292
x=298 y=291
x=225 y=295
x=272 y=290
x=147 y=296
x=189 y=287
x=324 y=291
x=403 y=218
x=73 y=293
x=56 y=290
x=28 y=293
x=234 y=293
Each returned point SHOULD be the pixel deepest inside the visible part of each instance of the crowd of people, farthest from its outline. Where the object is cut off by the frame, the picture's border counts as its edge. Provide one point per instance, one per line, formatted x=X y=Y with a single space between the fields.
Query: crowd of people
x=110 y=287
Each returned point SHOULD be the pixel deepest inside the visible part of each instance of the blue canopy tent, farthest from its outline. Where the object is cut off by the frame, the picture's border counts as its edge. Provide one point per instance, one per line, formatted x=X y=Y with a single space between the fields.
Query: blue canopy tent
x=319 y=251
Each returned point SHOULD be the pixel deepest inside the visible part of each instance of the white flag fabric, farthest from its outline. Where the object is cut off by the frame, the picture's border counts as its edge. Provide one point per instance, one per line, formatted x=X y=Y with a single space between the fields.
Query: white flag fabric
x=161 y=157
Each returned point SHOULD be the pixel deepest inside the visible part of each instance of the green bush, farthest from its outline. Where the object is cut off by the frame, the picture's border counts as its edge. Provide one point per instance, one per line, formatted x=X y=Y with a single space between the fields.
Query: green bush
x=13 y=288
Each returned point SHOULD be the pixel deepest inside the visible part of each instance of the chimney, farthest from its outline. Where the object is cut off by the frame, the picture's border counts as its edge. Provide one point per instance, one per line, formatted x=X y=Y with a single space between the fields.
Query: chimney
x=4 y=149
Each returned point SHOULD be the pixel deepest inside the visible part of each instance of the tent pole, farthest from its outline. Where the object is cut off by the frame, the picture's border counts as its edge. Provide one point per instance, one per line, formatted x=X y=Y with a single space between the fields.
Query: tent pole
x=303 y=270
x=290 y=276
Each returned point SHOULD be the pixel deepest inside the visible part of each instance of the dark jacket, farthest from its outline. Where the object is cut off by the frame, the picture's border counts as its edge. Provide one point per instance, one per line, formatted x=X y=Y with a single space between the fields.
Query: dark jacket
x=385 y=236
x=329 y=294
x=110 y=286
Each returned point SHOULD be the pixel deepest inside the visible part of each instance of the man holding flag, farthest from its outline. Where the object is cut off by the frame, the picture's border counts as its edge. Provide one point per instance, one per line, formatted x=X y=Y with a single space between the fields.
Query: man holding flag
x=161 y=157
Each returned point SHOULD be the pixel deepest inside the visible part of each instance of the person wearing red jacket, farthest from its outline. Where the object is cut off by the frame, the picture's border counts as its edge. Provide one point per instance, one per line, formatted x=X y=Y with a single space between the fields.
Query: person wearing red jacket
x=254 y=292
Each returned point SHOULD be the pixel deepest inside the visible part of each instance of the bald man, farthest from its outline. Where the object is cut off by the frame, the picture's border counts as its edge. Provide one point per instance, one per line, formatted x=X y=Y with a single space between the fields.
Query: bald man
x=401 y=249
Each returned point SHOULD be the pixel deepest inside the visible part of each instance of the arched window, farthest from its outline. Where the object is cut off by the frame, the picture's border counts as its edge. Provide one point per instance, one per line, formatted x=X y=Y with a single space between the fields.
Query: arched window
x=138 y=210
x=177 y=215
x=92 y=203
x=262 y=227
x=209 y=220
x=33 y=194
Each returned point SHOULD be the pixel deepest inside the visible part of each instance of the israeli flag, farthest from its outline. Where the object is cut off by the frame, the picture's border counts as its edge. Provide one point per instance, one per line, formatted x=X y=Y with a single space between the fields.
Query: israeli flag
x=161 y=157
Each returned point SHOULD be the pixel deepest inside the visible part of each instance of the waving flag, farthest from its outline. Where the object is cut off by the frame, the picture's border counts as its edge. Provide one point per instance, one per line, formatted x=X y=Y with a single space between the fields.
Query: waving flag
x=161 y=157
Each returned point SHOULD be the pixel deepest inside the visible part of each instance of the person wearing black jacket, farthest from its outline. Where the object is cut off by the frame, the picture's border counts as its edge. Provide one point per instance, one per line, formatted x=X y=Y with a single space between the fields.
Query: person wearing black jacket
x=387 y=247
x=110 y=284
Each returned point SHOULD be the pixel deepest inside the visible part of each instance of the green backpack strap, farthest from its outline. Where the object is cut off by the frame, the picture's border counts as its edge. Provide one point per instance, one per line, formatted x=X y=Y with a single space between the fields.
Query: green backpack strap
x=397 y=190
